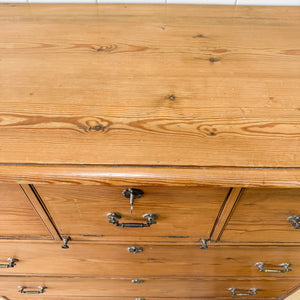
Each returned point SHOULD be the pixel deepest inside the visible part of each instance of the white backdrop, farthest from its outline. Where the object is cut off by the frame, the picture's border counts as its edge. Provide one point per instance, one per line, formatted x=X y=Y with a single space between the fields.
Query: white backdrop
x=228 y=2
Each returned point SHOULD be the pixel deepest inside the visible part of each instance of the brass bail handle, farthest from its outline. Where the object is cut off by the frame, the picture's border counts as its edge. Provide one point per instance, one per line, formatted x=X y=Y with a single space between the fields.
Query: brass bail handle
x=41 y=290
x=251 y=292
x=114 y=218
x=281 y=268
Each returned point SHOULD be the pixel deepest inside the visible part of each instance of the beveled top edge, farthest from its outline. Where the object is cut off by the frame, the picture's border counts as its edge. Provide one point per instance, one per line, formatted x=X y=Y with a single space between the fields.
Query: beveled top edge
x=150 y=175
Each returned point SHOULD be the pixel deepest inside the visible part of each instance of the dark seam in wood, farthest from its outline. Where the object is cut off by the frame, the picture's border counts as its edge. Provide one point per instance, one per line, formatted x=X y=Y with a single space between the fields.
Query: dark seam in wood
x=220 y=213
x=45 y=209
x=148 y=166
x=230 y=214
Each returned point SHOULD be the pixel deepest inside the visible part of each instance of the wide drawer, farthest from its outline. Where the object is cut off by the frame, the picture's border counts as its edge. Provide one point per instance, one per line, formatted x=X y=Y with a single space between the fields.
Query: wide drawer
x=265 y=215
x=18 y=219
x=184 y=214
x=114 y=260
x=160 y=288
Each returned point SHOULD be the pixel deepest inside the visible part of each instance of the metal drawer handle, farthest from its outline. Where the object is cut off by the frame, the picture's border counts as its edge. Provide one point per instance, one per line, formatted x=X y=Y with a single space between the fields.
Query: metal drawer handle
x=137 y=281
x=250 y=293
x=135 y=249
x=114 y=219
x=261 y=267
x=11 y=263
x=295 y=221
x=41 y=290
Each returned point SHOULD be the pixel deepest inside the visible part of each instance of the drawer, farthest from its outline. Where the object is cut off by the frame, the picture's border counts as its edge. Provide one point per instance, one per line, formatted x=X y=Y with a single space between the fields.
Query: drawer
x=159 y=288
x=114 y=260
x=44 y=297
x=183 y=214
x=261 y=215
x=18 y=218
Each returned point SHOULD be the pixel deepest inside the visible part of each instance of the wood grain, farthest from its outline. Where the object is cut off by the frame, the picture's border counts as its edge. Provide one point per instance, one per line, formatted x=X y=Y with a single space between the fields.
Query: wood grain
x=168 y=260
x=160 y=288
x=149 y=176
x=261 y=216
x=186 y=215
x=18 y=219
x=150 y=85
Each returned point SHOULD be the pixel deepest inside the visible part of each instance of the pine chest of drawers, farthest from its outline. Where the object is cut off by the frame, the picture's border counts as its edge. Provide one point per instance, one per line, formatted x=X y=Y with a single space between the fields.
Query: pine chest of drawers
x=149 y=152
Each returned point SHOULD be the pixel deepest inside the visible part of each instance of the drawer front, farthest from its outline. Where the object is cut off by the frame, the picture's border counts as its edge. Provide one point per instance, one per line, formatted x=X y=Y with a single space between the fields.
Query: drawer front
x=44 y=297
x=159 y=288
x=154 y=260
x=184 y=214
x=261 y=215
x=18 y=218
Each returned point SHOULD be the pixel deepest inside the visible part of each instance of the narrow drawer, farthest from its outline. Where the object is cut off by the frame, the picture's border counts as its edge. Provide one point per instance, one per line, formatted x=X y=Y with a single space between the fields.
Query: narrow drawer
x=18 y=218
x=183 y=214
x=265 y=215
x=159 y=288
x=118 y=260
x=45 y=297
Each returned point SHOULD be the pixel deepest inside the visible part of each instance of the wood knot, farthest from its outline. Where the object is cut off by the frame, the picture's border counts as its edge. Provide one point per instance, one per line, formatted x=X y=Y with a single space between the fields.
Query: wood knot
x=214 y=59
x=198 y=36
x=172 y=97
x=97 y=128
x=108 y=48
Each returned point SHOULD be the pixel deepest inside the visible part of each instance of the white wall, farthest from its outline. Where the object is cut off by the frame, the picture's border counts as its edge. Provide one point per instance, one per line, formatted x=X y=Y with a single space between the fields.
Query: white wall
x=228 y=2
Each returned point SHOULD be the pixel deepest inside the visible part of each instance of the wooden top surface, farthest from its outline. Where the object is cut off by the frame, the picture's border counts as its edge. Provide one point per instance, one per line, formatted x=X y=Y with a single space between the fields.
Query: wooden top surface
x=150 y=85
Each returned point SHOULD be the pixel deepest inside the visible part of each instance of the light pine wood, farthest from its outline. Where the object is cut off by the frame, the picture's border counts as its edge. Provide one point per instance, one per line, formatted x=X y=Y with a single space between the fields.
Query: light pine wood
x=261 y=216
x=37 y=204
x=150 y=85
x=107 y=298
x=98 y=298
x=149 y=176
x=169 y=260
x=18 y=219
x=45 y=297
x=160 y=288
x=183 y=214
x=186 y=102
